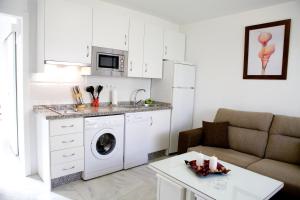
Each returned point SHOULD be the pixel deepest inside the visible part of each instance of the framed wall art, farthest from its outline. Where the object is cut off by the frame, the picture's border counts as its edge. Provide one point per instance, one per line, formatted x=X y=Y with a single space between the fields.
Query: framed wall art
x=266 y=50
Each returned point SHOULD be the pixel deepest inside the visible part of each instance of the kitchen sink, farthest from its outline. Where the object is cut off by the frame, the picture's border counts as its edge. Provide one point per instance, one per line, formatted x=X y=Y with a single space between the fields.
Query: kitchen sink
x=68 y=111
x=62 y=111
x=138 y=106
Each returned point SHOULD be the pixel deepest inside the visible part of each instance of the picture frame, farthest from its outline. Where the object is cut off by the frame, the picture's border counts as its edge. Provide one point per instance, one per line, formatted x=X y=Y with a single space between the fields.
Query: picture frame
x=266 y=50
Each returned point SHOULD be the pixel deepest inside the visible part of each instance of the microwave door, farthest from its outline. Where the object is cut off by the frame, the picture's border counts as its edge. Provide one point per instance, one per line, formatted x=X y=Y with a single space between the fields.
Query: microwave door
x=110 y=62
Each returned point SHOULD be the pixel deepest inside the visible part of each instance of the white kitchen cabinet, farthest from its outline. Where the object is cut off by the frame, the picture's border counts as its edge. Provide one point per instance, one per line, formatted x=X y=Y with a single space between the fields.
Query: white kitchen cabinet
x=159 y=130
x=67 y=31
x=66 y=141
x=153 y=51
x=60 y=149
x=174 y=45
x=110 y=29
x=136 y=48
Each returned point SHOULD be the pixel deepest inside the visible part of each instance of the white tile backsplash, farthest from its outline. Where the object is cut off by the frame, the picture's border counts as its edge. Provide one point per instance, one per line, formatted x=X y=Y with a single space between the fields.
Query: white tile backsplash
x=60 y=92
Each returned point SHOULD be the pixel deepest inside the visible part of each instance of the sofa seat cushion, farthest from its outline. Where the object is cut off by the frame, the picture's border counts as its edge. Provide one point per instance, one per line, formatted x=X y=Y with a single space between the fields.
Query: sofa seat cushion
x=227 y=155
x=285 y=172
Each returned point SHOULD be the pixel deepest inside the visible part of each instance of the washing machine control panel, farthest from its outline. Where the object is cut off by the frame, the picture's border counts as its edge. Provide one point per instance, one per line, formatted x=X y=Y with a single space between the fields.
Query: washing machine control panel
x=104 y=121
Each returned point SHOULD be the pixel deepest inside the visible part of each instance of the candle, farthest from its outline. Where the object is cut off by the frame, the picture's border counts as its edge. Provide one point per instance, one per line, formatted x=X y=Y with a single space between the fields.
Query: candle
x=199 y=160
x=213 y=161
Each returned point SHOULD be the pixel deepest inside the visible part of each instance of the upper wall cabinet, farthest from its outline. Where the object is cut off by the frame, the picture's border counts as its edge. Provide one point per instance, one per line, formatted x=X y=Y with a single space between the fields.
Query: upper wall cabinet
x=136 y=48
x=174 y=45
x=153 y=51
x=110 y=29
x=68 y=31
x=145 y=50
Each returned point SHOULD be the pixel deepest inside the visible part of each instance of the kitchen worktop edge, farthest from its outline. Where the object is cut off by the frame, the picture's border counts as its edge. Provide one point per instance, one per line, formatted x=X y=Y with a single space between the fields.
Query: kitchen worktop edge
x=103 y=110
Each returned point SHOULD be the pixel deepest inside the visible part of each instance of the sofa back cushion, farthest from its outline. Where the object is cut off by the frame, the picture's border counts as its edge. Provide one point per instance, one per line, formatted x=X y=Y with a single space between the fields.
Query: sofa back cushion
x=284 y=140
x=248 y=131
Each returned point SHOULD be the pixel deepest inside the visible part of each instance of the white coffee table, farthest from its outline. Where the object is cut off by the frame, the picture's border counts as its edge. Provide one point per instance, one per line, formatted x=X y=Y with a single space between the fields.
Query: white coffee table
x=177 y=182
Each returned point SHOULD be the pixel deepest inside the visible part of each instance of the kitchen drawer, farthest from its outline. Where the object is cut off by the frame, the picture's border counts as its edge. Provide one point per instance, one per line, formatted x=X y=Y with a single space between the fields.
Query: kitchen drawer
x=66 y=126
x=66 y=141
x=67 y=155
x=66 y=168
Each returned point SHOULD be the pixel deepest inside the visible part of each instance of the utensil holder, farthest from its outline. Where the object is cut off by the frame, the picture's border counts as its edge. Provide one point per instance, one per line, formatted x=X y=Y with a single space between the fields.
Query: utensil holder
x=95 y=102
x=78 y=97
x=80 y=107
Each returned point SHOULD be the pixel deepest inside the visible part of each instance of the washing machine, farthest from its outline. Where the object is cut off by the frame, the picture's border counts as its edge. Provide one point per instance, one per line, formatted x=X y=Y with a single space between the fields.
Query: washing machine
x=103 y=145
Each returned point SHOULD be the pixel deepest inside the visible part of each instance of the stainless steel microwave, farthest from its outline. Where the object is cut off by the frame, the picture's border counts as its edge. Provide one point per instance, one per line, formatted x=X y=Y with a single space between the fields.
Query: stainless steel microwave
x=109 y=62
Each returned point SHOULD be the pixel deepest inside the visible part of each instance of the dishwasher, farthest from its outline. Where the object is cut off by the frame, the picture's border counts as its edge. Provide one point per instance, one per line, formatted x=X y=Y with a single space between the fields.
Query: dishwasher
x=136 y=138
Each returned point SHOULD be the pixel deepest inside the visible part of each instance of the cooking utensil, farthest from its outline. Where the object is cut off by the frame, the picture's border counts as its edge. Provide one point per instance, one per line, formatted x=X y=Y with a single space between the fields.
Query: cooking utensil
x=91 y=90
x=99 y=89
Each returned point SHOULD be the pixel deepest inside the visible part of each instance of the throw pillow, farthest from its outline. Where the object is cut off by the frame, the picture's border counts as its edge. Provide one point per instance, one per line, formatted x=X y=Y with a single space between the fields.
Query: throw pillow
x=215 y=134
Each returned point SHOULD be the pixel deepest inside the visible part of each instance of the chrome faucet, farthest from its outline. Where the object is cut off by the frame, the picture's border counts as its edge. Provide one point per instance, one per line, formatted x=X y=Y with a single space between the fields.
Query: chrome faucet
x=135 y=95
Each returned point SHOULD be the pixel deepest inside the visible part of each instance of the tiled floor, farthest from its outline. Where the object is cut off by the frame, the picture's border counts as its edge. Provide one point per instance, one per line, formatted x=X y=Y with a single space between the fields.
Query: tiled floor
x=133 y=184
x=137 y=183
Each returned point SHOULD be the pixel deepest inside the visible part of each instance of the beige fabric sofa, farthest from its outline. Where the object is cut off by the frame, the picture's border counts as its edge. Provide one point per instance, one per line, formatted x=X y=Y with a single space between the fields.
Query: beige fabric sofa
x=261 y=142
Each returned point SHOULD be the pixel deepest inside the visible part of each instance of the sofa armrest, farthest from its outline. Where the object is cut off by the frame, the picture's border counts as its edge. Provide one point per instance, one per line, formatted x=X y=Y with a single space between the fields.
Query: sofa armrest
x=188 y=139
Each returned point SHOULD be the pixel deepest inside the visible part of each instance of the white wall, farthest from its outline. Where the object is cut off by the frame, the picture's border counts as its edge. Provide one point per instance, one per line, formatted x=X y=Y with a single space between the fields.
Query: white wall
x=217 y=46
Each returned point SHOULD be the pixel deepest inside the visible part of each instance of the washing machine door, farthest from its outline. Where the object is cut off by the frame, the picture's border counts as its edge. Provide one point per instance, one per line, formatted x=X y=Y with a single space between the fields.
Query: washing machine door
x=104 y=144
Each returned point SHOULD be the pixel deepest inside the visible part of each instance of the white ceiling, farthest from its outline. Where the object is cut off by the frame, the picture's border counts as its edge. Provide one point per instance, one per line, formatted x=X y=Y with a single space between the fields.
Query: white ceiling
x=188 y=11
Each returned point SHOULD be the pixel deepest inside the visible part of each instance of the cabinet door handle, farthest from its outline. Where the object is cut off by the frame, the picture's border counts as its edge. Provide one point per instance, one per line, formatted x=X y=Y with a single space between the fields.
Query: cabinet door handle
x=131 y=66
x=69 y=155
x=166 y=50
x=64 y=169
x=146 y=67
x=70 y=126
x=151 y=121
x=70 y=141
x=87 y=51
x=125 y=40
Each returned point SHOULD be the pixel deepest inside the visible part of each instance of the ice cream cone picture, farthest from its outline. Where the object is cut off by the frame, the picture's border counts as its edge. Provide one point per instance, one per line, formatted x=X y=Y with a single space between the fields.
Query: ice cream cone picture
x=266 y=50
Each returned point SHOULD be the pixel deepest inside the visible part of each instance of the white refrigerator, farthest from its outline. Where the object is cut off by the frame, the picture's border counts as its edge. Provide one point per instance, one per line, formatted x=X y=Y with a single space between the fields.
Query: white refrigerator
x=178 y=88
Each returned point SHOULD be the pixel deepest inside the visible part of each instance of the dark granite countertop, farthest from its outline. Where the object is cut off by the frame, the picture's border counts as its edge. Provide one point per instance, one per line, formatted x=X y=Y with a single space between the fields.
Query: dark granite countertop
x=67 y=111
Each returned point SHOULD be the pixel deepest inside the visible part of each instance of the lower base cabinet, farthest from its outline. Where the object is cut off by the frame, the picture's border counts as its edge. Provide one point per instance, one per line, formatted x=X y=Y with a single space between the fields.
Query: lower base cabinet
x=60 y=142
x=159 y=130
x=145 y=132
x=66 y=168
x=59 y=147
